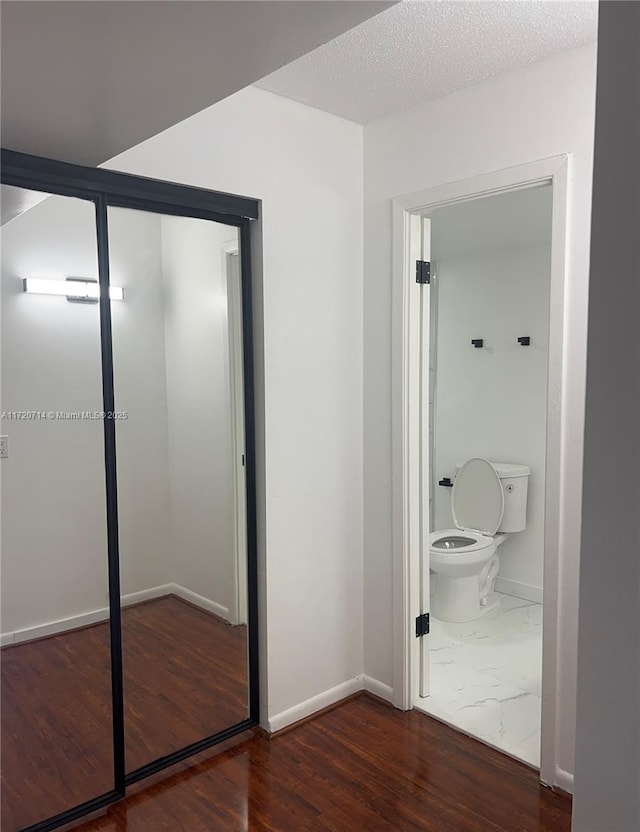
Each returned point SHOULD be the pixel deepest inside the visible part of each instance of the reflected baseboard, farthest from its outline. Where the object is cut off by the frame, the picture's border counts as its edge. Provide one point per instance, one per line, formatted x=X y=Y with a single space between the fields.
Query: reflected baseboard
x=199 y=601
x=88 y=619
x=52 y=628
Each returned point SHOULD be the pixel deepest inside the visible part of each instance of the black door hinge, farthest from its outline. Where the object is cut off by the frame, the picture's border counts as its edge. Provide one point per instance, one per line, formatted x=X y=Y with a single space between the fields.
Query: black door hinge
x=422 y=625
x=423 y=271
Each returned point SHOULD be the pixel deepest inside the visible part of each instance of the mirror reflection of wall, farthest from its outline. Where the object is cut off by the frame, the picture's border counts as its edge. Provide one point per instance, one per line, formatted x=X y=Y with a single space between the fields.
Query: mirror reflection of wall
x=56 y=737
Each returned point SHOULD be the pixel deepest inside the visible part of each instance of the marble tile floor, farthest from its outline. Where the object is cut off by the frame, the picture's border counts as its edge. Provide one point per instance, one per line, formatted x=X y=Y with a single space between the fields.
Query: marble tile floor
x=486 y=677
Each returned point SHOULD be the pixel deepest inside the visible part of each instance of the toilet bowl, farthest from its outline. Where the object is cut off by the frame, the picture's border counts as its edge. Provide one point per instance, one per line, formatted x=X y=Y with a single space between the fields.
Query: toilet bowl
x=488 y=500
x=464 y=589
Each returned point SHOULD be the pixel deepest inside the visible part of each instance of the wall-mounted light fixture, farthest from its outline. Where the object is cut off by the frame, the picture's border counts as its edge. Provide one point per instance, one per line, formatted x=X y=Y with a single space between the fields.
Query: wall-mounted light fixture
x=77 y=290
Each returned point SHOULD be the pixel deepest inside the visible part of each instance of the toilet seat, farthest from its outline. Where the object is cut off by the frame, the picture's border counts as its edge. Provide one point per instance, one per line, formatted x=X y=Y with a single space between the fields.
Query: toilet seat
x=477 y=542
x=477 y=505
x=477 y=502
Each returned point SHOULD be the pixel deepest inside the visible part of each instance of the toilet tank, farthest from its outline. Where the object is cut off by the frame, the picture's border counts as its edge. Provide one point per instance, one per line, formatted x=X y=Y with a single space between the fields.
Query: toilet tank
x=515 y=484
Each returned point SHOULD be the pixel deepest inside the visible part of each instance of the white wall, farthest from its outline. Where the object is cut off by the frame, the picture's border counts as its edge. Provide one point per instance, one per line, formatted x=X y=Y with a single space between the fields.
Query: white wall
x=202 y=557
x=306 y=166
x=491 y=402
x=607 y=785
x=532 y=113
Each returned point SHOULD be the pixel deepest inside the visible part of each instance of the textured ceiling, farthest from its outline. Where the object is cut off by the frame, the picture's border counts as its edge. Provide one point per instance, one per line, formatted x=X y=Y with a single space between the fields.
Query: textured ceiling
x=424 y=49
x=83 y=81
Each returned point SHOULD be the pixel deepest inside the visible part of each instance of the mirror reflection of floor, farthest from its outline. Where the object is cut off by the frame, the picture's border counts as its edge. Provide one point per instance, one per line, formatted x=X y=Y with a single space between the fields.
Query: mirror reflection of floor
x=486 y=677
x=185 y=678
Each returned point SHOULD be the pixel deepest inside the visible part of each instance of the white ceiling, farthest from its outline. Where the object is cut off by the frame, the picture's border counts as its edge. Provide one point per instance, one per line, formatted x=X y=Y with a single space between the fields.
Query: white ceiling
x=83 y=81
x=423 y=49
x=510 y=220
x=15 y=201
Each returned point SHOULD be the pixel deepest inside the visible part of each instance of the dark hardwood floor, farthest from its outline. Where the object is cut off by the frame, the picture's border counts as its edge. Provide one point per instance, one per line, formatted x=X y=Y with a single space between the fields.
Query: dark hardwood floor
x=185 y=677
x=362 y=767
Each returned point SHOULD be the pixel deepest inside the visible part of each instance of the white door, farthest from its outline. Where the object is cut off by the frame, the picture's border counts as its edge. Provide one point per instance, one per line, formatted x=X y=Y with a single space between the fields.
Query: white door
x=424 y=474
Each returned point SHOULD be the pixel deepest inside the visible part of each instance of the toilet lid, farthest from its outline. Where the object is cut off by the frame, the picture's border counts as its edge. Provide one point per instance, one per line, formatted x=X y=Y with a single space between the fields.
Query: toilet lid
x=477 y=501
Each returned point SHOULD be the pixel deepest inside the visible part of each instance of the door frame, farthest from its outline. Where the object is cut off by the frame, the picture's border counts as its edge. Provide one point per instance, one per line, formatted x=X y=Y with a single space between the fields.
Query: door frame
x=407 y=211
x=231 y=248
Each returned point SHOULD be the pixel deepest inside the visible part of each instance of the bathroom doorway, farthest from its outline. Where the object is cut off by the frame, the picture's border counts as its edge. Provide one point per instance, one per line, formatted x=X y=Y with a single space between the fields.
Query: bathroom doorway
x=488 y=337
x=479 y=311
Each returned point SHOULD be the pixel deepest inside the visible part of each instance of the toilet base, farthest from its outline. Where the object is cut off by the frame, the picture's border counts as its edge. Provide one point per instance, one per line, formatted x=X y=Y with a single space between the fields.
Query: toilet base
x=490 y=603
x=457 y=600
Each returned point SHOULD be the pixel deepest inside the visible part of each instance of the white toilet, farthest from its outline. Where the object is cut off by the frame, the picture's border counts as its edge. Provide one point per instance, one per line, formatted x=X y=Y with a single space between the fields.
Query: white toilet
x=489 y=501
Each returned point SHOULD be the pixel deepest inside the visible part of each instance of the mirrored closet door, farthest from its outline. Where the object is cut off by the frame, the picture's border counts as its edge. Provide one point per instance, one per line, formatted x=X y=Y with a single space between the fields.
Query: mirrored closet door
x=180 y=453
x=129 y=567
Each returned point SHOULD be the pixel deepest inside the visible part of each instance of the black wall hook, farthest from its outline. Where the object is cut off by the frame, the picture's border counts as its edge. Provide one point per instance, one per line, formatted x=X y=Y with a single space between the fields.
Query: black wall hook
x=477 y=342
x=446 y=481
x=524 y=340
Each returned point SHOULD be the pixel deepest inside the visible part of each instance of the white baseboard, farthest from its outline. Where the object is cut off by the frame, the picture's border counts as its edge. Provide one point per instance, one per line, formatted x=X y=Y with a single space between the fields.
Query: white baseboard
x=564 y=780
x=200 y=601
x=519 y=590
x=378 y=688
x=316 y=703
x=52 y=627
x=95 y=616
x=145 y=595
